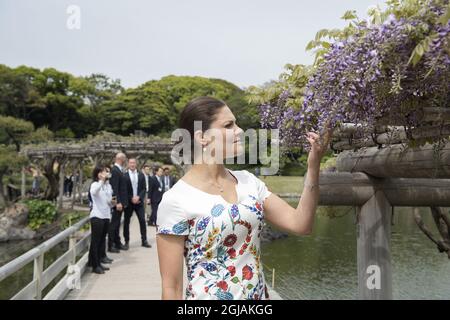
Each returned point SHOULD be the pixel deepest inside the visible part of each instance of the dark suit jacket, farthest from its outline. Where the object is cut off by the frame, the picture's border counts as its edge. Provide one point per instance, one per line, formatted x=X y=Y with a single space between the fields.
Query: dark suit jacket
x=119 y=186
x=141 y=187
x=154 y=194
x=172 y=180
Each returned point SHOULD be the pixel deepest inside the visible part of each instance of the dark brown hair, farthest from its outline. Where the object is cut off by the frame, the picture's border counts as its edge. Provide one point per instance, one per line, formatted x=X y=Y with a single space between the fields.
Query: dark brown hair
x=156 y=169
x=202 y=109
x=97 y=170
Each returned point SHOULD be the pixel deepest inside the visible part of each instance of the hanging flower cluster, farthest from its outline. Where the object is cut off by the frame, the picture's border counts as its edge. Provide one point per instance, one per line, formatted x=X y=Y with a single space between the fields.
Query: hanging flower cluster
x=392 y=69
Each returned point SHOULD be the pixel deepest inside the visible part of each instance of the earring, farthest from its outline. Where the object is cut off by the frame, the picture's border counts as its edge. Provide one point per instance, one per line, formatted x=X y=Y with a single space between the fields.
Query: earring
x=204 y=149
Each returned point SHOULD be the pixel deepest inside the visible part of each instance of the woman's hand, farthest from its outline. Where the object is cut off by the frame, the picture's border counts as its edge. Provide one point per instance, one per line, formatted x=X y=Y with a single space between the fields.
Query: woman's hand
x=319 y=145
x=102 y=176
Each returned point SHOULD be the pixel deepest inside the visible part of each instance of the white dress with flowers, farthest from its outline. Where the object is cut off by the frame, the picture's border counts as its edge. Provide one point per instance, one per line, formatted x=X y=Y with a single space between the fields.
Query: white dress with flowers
x=222 y=247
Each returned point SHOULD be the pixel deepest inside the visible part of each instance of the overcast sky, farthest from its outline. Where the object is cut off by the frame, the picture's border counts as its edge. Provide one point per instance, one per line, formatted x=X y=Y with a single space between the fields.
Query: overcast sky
x=246 y=42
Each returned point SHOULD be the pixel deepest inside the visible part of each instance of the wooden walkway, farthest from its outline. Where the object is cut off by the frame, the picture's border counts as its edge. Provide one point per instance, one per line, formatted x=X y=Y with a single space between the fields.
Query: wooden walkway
x=134 y=274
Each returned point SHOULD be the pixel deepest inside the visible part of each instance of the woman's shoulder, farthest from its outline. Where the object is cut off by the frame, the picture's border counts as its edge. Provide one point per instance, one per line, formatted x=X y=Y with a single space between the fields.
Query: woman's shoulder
x=243 y=176
x=95 y=183
x=177 y=191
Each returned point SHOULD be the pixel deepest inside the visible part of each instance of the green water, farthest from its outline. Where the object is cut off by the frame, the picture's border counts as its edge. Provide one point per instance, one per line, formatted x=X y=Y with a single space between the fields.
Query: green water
x=323 y=265
x=11 y=250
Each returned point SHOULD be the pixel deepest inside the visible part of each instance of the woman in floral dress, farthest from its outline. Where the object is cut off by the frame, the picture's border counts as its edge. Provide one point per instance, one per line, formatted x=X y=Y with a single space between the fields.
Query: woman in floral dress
x=213 y=217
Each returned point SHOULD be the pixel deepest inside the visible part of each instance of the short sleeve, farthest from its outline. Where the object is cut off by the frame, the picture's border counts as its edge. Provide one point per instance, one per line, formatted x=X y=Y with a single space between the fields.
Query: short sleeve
x=171 y=218
x=261 y=188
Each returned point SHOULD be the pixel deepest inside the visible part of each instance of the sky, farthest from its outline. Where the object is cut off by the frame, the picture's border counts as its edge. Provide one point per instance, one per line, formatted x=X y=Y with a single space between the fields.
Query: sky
x=246 y=42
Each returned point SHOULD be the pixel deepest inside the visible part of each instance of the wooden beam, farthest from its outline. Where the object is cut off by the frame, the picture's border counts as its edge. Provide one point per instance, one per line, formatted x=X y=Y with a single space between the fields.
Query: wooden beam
x=373 y=251
x=355 y=189
x=398 y=161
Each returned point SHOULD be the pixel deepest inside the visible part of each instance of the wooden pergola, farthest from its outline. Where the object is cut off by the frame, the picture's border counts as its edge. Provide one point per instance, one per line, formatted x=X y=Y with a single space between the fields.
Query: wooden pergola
x=75 y=155
x=379 y=169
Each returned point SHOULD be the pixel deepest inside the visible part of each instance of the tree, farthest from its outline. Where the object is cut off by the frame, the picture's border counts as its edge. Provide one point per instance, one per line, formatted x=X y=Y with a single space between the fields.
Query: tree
x=154 y=107
x=18 y=95
x=15 y=130
x=10 y=160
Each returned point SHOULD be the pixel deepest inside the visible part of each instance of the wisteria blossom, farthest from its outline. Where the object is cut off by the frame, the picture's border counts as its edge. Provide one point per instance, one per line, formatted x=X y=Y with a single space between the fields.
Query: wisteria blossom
x=369 y=75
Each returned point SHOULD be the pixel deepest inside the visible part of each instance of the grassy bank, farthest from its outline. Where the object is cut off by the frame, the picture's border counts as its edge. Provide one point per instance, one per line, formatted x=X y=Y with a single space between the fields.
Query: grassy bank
x=284 y=184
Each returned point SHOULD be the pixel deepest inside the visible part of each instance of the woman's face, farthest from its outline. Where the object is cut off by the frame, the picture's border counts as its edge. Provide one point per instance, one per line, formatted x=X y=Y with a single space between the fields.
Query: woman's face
x=229 y=134
x=104 y=173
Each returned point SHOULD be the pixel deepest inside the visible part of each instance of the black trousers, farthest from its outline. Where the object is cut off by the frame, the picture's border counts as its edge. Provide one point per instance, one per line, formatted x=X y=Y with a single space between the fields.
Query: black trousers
x=114 y=229
x=97 y=249
x=154 y=214
x=140 y=212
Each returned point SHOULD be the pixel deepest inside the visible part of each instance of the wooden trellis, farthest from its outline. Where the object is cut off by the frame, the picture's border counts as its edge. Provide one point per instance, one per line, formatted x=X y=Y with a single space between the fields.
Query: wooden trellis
x=76 y=155
x=378 y=168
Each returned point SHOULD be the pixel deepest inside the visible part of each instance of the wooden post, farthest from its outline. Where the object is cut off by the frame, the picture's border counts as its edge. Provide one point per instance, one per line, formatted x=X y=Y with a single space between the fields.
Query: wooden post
x=80 y=183
x=74 y=187
x=373 y=252
x=37 y=275
x=72 y=244
x=22 y=189
x=61 y=184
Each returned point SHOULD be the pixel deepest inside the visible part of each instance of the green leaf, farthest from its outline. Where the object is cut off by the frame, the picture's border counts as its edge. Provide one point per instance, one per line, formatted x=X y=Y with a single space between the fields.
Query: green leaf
x=311 y=45
x=349 y=15
x=421 y=49
x=235 y=280
x=250 y=286
x=445 y=16
x=321 y=33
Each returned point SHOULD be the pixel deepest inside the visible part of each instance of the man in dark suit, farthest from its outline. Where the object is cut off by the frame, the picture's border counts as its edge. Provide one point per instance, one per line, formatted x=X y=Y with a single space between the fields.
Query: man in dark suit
x=168 y=180
x=119 y=186
x=136 y=197
x=156 y=190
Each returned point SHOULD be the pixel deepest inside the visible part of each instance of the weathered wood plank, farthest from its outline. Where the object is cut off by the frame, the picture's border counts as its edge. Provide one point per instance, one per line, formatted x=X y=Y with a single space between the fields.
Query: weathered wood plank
x=348 y=189
x=373 y=251
x=393 y=161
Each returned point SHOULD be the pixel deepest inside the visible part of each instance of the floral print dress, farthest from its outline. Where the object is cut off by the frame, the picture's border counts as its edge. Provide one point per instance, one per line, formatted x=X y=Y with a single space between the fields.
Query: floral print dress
x=222 y=246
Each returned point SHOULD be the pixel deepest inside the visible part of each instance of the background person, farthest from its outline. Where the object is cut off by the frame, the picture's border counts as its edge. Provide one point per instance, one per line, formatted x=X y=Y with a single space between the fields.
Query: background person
x=100 y=194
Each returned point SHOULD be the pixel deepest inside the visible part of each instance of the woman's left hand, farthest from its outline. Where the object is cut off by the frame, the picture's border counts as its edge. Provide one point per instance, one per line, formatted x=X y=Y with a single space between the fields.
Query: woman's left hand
x=319 y=145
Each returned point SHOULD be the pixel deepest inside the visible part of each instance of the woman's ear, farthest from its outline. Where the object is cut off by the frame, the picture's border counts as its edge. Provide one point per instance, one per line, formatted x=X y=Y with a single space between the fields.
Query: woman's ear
x=199 y=138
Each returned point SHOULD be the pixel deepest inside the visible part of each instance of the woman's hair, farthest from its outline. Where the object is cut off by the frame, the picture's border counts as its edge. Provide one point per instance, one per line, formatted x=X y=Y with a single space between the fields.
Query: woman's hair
x=97 y=170
x=202 y=109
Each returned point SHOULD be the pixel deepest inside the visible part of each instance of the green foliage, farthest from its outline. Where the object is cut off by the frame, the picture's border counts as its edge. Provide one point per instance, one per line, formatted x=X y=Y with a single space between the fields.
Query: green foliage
x=10 y=160
x=398 y=8
x=41 y=212
x=42 y=134
x=294 y=78
x=15 y=130
x=154 y=107
x=74 y=107
x=71 y=218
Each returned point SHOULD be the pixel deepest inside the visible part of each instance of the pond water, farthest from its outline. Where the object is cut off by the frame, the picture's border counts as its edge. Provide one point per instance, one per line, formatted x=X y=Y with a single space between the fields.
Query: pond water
x=324 y=266
x=11 y=250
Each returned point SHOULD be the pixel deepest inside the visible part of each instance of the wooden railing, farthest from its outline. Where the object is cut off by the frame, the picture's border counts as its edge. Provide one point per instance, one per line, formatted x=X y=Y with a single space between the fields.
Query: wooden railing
x=42 y=278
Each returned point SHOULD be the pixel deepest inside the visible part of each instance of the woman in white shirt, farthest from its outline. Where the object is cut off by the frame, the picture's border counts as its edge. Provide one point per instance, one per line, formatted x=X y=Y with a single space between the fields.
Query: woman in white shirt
x=214 y=216
x=101 y=197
